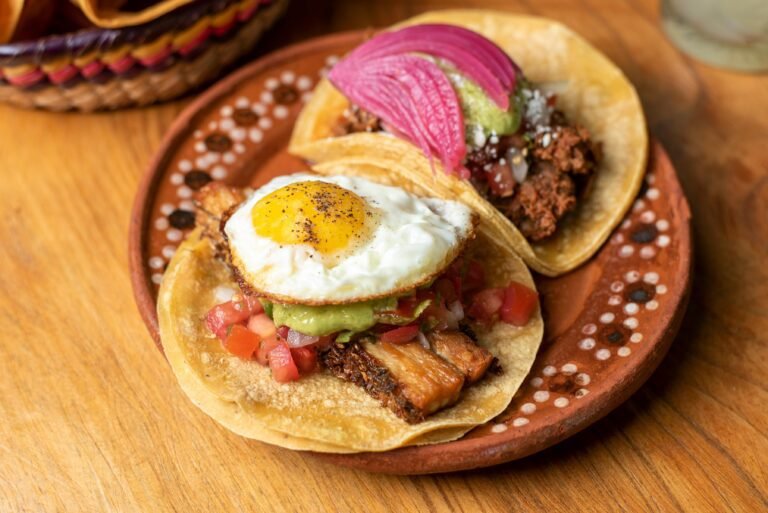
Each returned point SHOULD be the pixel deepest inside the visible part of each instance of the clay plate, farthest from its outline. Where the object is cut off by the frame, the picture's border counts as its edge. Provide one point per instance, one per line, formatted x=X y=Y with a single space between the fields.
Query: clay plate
x=608 y=323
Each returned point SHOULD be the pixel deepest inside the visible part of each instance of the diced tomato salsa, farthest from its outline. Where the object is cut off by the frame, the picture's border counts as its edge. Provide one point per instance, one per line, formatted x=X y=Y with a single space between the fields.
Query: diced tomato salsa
x=221 y=317
x=282 y=365
x=241 y=341
x=246 y=331
x=400 y=335
x=305 y=359
x=519 y=304
x=514 y=304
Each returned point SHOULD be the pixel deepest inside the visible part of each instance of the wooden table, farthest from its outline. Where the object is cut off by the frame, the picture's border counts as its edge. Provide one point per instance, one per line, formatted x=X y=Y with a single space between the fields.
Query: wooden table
x=92 y=418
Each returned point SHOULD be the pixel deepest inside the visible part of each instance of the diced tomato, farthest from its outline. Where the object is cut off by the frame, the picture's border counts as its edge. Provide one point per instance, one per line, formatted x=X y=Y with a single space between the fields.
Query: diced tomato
x=241 y=341
x=519 y=304
x=282 y=332
x=423 y=295
x=262 y=325
x=254 y=305
x=552 y=100
x=439 y=317
x=324 y=341
x=222 y=316
x=447 y=290
x=400 y=335
x=455 y=273
x=486 y=303
x=406 y=306
x=281 y=362
x=305 y=358
x=265 y=346
x=474 y=278
x=501 y=180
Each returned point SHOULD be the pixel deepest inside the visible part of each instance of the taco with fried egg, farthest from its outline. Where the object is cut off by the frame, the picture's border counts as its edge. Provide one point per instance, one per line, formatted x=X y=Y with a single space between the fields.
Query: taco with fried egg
x=514 y=115
x=334 y=313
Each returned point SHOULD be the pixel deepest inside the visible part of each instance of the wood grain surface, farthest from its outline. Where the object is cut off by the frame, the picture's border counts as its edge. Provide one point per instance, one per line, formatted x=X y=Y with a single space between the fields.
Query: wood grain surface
x=91 y=418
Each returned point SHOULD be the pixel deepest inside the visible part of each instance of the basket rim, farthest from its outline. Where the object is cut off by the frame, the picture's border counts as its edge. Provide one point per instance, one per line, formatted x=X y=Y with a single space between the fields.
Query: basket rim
x=82 y=41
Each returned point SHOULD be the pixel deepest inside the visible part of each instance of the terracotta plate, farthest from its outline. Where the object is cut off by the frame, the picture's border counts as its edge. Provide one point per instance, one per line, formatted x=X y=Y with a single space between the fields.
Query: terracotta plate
x=608 y=324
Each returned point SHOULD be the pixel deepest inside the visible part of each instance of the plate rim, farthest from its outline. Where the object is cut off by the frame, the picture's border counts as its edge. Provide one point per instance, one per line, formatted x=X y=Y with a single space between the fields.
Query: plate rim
x=178 y=129
x=464 y=454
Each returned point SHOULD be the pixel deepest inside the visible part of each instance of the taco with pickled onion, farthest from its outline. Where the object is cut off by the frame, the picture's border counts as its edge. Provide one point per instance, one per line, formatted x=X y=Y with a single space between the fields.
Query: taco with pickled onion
x=517 y=116
x=331 y=312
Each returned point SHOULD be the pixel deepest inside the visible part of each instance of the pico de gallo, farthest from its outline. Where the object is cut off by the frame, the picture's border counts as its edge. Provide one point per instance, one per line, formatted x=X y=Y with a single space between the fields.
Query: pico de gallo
x=246 y=328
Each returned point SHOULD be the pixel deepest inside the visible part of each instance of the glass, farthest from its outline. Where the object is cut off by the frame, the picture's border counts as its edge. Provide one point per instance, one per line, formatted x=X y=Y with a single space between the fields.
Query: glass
x=726 y=33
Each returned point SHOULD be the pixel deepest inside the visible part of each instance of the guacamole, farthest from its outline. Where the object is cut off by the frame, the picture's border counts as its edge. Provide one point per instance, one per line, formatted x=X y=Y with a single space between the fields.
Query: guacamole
x=482 y=116
x=327 y=319
x=344 y=319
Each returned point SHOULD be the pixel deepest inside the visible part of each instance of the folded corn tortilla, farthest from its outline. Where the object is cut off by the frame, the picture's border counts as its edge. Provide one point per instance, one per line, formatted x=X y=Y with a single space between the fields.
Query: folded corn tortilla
x=590 y=89
x=320 y=412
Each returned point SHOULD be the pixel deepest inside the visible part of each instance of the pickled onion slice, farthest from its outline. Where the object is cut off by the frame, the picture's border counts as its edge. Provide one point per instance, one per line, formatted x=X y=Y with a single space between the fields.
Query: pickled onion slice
x=413 y=96
x=475 y=56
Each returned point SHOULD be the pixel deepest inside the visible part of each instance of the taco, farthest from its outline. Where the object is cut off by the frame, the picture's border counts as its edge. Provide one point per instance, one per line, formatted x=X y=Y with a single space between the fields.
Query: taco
x=332 y=313
x=549 y=147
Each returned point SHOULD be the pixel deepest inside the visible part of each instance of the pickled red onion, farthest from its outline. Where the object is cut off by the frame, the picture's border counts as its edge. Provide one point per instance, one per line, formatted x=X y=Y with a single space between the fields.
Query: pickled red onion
x=472 y=54
x=413 y=96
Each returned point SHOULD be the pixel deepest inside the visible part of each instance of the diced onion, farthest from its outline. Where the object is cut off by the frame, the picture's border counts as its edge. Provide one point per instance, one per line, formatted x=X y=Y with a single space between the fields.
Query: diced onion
x=422 y=340
x=457 y=310
x=222 y=294
x=296 y=339
x=519 y=165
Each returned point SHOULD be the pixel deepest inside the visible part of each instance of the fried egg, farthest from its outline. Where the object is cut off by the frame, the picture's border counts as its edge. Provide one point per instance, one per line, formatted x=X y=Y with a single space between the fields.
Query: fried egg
x=307 y=239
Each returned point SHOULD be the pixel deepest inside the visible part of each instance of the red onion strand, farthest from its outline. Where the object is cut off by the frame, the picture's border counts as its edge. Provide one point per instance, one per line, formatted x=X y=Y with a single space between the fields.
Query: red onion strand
x=413 y=95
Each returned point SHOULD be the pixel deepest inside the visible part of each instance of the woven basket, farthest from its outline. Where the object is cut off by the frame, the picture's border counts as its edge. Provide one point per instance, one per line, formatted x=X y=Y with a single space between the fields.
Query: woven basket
x=98 y=69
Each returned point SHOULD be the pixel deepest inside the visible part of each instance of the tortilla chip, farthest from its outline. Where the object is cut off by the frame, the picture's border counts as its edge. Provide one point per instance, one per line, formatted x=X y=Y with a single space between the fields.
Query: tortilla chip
x=590 y=89
x=321 y=412
x=108 y=13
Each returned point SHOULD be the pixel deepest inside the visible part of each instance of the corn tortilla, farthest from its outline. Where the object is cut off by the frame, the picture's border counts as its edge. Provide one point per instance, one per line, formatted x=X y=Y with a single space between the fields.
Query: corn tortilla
x=590 y=89
x=321 y=412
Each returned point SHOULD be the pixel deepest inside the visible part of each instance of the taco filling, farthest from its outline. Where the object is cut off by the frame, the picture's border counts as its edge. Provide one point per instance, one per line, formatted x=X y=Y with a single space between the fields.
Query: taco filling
x=519 y=151
x=407 y=342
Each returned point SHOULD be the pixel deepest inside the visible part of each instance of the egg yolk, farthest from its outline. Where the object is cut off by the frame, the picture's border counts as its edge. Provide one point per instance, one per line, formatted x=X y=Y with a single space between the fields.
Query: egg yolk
x=323 y=215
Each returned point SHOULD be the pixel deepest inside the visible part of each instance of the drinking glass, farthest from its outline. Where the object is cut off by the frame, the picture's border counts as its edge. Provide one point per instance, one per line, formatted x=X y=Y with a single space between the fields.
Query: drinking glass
x=726 y=33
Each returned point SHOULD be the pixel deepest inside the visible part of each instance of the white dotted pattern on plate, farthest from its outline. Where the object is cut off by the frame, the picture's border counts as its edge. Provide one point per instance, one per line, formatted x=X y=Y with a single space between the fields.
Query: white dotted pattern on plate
x=631 y=293
x=219 y=148
x=616 y=328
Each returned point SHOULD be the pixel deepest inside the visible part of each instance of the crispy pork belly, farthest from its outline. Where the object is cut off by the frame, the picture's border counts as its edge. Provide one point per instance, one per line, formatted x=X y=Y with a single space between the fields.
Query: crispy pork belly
x=456 y=347
x=408 y=379
x=213 y=201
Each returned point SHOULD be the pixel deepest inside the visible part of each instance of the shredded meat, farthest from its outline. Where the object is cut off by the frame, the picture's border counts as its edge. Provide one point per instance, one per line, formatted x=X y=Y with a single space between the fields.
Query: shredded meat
x=560 y=161
x=540 y=202
x=355 y=120
x=570 y=149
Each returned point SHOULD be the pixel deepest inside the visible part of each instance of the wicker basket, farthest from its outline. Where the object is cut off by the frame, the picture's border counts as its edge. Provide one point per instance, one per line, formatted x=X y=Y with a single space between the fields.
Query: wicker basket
x=97 y=69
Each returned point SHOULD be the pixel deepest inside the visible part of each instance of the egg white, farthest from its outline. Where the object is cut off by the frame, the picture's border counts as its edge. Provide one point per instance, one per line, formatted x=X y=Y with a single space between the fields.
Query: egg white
x=414 y=238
